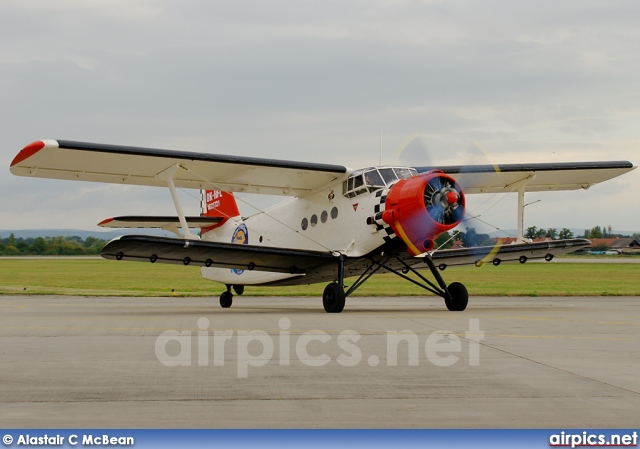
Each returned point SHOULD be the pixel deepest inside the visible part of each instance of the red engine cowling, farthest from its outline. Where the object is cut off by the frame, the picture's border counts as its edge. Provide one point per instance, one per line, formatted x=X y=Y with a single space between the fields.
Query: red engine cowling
x=422 y=207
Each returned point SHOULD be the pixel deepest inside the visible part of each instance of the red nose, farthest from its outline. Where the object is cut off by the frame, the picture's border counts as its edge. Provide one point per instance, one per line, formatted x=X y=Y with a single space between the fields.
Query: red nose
x=452 y=197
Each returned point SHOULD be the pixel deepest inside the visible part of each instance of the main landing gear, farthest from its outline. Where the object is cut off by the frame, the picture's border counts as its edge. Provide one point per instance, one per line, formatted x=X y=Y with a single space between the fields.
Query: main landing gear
x=333 y=298
x=455 y=295
x=226 y=298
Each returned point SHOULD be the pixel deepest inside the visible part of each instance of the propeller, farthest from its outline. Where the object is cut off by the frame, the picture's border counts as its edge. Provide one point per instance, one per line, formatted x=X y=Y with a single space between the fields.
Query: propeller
x=443 y=199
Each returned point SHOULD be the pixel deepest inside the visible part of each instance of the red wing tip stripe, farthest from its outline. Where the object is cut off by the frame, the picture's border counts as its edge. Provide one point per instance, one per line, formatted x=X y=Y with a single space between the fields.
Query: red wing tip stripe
x=28 y=151
x=104 y=222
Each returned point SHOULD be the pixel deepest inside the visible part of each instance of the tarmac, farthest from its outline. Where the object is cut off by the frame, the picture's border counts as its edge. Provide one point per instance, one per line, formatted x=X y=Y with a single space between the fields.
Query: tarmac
x=505 y=362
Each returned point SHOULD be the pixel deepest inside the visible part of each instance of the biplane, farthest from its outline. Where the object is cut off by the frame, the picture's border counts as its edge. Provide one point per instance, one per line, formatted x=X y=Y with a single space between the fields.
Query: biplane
x=337 y=222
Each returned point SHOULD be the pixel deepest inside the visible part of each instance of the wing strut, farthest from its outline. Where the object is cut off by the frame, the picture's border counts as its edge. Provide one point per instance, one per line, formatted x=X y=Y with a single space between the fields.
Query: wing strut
x=521 y=187
x=167 y=176
x=521 y=206
x=521 y=214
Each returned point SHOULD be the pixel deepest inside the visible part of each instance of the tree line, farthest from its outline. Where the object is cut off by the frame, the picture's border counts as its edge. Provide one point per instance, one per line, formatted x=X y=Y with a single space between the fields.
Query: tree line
x=50 y=246
x=596 y=232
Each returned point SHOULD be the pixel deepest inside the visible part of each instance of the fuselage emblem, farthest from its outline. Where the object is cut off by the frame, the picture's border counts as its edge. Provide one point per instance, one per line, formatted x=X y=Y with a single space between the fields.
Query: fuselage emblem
x=240 y=236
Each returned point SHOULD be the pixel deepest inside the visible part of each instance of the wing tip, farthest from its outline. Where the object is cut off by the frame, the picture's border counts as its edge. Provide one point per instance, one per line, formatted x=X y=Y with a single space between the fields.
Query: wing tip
x=28 y=151
x=105 y=221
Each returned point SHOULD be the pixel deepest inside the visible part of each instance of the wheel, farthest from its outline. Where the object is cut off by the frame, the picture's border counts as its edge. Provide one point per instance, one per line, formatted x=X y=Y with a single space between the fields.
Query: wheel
x=226 y=298
x=459 y=297
x=239 y=289
x=333 y=298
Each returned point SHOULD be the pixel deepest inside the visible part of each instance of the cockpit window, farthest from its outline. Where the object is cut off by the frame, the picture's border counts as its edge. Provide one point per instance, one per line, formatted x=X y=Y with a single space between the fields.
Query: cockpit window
x=404 y=173
x=389 y=175
x=372 y=179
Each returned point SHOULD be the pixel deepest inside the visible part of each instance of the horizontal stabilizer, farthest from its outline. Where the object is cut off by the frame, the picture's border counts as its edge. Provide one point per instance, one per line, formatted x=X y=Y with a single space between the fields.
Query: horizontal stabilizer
x=162 y=222
x=214 y=254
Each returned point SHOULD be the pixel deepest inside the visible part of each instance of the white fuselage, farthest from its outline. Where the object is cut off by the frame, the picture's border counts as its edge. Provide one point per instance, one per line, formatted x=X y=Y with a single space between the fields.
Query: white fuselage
x=325 y=220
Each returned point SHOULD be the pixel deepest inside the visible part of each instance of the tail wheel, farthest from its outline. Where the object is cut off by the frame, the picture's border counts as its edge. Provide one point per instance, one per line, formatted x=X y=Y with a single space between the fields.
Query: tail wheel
x=226 y=299
x=459 y=297
x=333 y=298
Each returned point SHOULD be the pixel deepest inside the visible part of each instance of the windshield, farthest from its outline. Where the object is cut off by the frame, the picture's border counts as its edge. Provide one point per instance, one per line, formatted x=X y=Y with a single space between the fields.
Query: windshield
x=374 y=178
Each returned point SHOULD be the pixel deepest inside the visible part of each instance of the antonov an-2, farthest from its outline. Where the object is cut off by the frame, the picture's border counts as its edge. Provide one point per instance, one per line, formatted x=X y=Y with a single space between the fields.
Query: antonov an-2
x=337 y=222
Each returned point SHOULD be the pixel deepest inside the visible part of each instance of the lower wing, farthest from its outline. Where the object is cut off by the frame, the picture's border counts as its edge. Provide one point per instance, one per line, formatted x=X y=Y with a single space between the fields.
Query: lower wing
x=520 y=252
x=144 y=248
x=317 y=266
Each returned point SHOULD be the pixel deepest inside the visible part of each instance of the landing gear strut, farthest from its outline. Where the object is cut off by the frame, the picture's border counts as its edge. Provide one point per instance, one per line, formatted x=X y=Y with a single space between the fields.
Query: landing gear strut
x=455 y=295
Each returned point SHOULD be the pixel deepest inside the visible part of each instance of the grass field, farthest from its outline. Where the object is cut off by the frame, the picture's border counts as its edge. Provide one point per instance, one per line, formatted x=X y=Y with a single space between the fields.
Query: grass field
x=108 y=278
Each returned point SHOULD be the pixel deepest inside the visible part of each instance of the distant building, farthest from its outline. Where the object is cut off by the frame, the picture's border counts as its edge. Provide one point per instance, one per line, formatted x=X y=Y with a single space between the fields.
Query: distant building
x=618 y=245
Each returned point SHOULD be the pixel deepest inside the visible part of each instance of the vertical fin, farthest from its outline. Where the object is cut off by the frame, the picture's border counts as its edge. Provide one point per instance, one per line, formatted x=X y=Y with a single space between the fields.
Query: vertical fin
x=218 y=203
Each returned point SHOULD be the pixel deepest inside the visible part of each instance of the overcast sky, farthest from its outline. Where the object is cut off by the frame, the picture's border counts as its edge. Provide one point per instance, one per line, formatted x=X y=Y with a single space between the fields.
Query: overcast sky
x=541 y=81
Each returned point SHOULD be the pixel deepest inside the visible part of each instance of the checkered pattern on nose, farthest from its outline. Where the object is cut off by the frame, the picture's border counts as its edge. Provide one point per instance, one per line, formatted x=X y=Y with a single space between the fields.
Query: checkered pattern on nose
x=379 y=207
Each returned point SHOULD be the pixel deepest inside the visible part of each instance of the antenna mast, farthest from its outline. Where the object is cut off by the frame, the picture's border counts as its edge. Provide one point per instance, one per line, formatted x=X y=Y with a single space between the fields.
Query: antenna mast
x=380 y=147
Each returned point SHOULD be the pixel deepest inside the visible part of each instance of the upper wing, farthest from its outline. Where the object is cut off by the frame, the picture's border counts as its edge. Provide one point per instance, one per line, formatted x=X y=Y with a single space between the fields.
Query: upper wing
x=63 y=159
x=533 y=177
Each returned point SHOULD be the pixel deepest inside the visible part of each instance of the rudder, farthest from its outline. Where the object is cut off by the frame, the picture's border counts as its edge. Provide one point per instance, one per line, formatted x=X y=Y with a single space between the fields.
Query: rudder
x=218 y=203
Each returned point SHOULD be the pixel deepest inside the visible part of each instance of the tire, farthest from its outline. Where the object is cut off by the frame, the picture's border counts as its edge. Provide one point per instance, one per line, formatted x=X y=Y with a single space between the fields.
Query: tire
x=459 y=297
x=333 y=298
x=226 y=299
x=239 y=289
